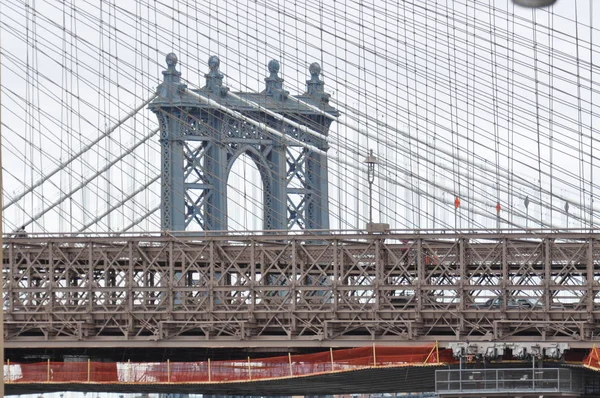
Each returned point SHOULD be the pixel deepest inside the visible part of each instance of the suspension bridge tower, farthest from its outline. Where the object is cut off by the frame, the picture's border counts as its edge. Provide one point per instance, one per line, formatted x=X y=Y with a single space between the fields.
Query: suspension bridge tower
x=204 y=131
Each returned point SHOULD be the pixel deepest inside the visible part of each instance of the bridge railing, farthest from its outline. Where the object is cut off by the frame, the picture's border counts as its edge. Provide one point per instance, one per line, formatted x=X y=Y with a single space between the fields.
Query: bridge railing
x=321 y=233
x=513 y=380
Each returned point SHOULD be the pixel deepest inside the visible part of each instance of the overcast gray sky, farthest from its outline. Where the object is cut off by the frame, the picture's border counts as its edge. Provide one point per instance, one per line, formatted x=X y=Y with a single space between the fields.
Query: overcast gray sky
x=479 y=100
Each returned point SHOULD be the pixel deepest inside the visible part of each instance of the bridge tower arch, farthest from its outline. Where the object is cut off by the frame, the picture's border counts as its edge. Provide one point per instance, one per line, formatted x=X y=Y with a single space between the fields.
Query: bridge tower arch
x=250 y=165
x=203 y=131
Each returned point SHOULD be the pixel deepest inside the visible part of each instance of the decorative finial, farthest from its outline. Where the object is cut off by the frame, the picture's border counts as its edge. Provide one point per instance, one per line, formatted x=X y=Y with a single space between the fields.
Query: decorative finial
x=171 y=84
x=315 y=86
x=274 y=82
x=214 y=78
x=171 y=60
x=274 y=67
x=213 y=63
x=315 y=71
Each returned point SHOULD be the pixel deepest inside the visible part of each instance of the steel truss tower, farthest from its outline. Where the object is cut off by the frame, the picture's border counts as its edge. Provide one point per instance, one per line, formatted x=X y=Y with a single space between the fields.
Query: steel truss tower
x=204 y=131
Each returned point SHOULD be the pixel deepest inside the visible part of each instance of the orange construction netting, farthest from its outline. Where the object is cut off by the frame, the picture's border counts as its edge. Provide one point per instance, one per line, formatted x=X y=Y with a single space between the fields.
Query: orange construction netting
x=592 y=360
x=222 y=371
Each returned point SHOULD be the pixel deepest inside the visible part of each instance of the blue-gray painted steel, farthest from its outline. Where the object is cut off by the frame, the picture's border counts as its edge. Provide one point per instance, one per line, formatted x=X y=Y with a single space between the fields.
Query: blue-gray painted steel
x=200 y=145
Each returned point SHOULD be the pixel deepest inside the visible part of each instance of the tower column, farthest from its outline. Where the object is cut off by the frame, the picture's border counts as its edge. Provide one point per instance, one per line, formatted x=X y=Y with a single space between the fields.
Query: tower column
x=275 y=195
x=318 y=203
x=170 y=120
x=215 y=164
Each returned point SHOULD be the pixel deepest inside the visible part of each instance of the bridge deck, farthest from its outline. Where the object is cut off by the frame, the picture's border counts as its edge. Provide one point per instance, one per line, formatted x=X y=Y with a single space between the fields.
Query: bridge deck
x=298 y=290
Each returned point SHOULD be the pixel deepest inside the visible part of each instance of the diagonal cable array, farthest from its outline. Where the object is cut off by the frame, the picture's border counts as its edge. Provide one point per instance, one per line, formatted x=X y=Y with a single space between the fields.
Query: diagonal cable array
x=482 y=115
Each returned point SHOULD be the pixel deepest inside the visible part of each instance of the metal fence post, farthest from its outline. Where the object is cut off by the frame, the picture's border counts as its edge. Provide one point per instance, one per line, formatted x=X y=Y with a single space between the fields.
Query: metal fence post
x=331 y=356
x=209 y=375
x=249 y=370
x=497 y=381
x=533 y=374
x=374 y=356
x=460 y=359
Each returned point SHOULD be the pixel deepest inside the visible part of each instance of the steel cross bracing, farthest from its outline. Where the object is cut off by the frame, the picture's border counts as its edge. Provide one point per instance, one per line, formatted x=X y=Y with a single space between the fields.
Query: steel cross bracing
x=285 y=290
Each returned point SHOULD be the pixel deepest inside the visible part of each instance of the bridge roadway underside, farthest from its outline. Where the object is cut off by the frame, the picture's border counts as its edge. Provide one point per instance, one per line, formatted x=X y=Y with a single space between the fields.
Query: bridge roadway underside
x=300 y=291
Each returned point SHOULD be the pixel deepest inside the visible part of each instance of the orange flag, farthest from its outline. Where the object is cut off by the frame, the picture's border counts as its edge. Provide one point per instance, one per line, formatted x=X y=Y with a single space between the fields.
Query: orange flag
x=456 y=202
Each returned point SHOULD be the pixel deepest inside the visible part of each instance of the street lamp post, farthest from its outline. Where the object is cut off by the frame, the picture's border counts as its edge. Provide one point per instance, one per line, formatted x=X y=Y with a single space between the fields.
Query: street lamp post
x=371 y=161
x=372 y=227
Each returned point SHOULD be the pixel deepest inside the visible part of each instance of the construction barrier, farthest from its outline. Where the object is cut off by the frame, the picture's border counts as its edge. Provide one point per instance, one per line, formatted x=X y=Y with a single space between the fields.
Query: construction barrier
x=592 y=360
x=224 y=371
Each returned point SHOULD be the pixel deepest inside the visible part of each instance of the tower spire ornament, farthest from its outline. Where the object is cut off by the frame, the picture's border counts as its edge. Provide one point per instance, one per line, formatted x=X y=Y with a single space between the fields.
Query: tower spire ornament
x=214 y=78
x=171 y=85
x=274 y=85
x=315 y=87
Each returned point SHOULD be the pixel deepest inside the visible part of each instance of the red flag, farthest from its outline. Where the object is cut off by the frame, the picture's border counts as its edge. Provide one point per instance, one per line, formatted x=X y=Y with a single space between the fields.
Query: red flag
x=456 y=202
x=498 y=207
